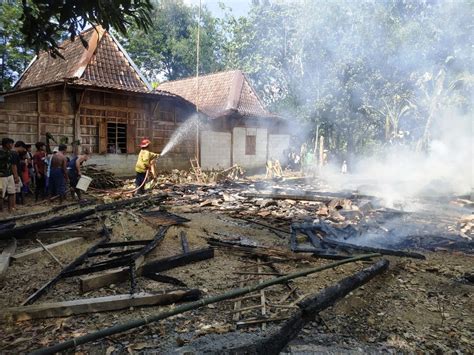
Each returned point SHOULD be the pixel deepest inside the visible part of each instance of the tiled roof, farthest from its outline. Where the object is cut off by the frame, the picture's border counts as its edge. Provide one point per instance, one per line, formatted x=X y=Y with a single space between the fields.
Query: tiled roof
x=103 y=64
x=219 y=94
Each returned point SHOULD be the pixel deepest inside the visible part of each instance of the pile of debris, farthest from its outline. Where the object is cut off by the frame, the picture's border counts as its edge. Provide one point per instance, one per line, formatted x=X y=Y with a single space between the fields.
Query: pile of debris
x=251 y=283
x=203 y=177
x=101 y=179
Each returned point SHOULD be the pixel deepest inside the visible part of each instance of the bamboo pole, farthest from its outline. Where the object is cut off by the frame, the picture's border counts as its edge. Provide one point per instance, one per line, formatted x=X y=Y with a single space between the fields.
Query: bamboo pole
x=119 y=328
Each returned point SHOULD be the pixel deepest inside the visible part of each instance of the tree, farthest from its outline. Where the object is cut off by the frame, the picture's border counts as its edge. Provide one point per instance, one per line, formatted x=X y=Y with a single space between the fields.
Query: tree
x=352 y=69
x=44 y=21
x=13 y=56
x=168 y=48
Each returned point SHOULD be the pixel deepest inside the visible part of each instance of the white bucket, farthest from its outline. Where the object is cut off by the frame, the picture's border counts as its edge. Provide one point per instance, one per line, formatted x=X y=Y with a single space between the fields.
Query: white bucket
x=83 y=183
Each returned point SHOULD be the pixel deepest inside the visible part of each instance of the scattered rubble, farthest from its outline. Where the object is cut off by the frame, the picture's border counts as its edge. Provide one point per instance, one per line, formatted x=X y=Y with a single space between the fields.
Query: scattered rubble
x=208 y=239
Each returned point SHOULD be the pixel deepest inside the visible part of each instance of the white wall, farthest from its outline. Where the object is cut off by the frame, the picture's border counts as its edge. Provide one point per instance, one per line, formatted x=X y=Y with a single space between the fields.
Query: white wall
x=123 y=165
x=277 y=143
x=250 y=161
x=119 y=164
x=215 y=150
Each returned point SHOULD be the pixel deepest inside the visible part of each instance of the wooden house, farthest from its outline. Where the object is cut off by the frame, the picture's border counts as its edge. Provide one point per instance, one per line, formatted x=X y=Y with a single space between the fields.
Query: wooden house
x=98 y=96
x=239 y=129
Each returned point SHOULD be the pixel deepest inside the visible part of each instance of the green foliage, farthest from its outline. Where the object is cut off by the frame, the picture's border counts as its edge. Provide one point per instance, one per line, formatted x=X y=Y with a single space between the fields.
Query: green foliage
x=44 y=21
x=169 y=46
x=14 y=57
x=353 y=69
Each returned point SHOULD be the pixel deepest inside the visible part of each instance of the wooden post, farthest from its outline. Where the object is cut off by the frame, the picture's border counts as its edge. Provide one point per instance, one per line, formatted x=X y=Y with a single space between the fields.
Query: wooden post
x=38 y=119
x=77 y=123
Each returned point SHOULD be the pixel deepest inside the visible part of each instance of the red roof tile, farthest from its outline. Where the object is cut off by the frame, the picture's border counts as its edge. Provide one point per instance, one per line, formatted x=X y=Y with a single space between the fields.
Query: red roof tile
x=103 y=64
x=219 y=94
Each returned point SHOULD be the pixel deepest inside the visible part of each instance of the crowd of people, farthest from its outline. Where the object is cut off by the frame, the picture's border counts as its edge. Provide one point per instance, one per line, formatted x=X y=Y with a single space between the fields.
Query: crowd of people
x=42 y=174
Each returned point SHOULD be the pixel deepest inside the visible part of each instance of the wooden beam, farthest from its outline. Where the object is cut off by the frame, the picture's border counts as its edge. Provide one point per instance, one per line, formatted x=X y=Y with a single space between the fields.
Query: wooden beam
x=89 y=283
x=6 y=256
x=98 y=304
x=35 y=251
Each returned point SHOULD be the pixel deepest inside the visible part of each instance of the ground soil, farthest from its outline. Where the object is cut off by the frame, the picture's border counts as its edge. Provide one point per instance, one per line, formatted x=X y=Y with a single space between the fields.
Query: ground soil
x=416 y=306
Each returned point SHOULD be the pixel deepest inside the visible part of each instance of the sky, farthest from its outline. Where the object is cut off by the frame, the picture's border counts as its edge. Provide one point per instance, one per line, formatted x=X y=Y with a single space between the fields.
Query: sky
x=239 y=7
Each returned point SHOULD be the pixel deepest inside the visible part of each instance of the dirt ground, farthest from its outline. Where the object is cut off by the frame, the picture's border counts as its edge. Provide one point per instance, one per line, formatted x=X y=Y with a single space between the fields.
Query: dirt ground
x=416 y=306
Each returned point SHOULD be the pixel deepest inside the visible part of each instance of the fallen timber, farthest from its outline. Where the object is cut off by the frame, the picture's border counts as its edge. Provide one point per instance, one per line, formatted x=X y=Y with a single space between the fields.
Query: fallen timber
x=275 y=342
x=31 y=252
x=137 y=259
x=27 y=230
x=78 y=261
x=6 y=256
x=98 y=304
x=332 y=246
x=119 y=328
x=383 y=251
x=94 y=282
x=275 y=254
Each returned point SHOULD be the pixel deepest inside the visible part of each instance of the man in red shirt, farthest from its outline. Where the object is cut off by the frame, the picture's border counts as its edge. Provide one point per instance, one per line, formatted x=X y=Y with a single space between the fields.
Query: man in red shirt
x=40 y=169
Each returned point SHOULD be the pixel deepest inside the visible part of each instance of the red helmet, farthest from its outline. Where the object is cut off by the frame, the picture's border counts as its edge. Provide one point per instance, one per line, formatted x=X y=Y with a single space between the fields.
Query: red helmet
x=145 y=143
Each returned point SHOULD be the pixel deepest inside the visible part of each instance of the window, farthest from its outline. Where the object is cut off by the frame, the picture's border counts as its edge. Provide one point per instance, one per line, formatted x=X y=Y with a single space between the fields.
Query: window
x=116 y=138
x=250 y=145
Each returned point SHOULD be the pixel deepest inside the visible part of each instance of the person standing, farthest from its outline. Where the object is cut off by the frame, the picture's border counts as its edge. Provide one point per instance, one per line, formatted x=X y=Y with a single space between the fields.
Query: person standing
x=145 y=159
x=7 y=181
x=31 y=168
x=40 y=170
x=74 y=171
x=58 y=175
x=19 y=149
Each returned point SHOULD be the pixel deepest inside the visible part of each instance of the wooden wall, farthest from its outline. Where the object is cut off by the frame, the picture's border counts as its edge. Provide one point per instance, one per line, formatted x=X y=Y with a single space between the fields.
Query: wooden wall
x=28 y=116
x=19 y=117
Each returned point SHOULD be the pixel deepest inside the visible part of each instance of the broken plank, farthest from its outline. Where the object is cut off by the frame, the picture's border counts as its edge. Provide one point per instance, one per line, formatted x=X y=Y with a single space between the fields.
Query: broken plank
x=50 y=253
x=98 y=304
x=32 y=252
x=25 y=231
x=260 y=251
x=6 y=256
x=94 y=282
x=78 y=261
x=178 y=260
x=339 y=244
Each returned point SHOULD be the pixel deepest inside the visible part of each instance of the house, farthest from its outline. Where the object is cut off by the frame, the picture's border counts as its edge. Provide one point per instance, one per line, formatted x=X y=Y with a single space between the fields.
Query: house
x=98 y=96
x=239 y=129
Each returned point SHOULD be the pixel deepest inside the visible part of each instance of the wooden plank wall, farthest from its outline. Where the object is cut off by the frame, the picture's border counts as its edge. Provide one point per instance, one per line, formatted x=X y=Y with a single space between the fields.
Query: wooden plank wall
x=56 y=114
x=19 y=118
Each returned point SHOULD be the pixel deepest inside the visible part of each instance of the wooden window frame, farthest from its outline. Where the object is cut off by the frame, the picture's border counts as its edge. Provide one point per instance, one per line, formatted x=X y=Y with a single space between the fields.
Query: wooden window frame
x=121 y=132
x=251 y=144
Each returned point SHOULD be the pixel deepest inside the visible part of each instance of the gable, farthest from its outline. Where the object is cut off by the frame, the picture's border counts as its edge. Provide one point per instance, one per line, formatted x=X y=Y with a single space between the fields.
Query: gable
x=103 y=64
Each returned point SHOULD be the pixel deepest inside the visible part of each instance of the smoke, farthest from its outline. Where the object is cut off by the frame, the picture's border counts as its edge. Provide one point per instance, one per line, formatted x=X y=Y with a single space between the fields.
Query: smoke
x=370 y=72
x=400 y=172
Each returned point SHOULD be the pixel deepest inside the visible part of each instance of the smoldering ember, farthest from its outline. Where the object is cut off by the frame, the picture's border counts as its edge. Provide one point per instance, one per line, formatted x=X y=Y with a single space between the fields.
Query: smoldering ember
x=250 y=177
